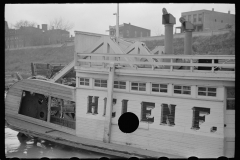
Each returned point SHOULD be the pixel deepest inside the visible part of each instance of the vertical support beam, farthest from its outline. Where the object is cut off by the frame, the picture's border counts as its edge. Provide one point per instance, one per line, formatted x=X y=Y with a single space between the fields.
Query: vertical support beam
x=212 y=66
x=33 y=69
x=108 y=116
x=49 y=108
x=191 y=68
x=171 y=67
x=76 y=59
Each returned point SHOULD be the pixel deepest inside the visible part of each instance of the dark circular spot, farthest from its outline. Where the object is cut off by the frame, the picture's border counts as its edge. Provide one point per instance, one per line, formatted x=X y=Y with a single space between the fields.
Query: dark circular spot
x=41 y=114
x=128 y=122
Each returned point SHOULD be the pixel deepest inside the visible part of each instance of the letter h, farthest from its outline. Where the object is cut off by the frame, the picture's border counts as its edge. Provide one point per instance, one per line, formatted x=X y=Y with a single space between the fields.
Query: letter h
x=92 y=105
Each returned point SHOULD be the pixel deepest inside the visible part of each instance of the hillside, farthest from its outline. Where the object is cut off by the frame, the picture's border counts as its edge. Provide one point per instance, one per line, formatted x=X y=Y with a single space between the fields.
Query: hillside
x=20 y=60
x=223 y=44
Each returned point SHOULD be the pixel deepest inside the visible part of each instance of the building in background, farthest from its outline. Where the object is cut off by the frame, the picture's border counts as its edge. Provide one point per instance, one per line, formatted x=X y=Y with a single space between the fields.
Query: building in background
x=206 y=20
x=129 y=31
x=32 y=36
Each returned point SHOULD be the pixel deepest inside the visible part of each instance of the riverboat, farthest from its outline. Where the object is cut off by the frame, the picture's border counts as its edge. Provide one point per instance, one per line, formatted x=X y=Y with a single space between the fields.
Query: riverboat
x=130 y=101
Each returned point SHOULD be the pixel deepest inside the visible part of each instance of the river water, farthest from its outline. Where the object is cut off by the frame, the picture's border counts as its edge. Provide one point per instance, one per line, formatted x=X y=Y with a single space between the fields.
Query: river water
x=42 y=148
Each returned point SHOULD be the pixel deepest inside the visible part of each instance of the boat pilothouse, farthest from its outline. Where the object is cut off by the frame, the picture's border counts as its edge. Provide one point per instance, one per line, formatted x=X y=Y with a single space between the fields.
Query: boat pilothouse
x=181 y=105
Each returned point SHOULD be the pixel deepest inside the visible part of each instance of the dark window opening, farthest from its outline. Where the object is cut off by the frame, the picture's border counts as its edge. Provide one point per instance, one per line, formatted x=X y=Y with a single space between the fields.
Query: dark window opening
x=62 y=112
x=34 y=105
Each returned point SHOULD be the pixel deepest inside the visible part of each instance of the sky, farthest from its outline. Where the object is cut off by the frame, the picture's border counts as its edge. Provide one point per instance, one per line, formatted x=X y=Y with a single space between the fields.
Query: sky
x=96 y=18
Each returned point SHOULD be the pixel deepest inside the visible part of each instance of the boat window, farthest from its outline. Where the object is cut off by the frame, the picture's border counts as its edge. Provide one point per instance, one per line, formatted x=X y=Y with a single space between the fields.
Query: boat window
x=207 y=91
x=231 y=98
x=159 y=87
x=182 y=89
x=135 y=86
x=119 y=84
x=100 y=83
x=84 y=81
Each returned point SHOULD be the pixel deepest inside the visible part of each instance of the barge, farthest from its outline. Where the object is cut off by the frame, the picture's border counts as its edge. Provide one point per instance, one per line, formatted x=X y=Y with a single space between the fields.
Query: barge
x=130 y=101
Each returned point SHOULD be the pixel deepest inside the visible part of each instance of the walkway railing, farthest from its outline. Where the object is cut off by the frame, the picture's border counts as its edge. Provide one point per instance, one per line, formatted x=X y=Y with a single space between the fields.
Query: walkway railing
x=170 y=62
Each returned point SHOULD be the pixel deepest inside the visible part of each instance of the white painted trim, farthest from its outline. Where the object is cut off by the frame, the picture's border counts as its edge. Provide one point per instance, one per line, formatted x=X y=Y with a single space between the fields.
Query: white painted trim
x=159 y=93
x=133 y=91
x=194 y=91
x=148 y=88
x=84 y=86
x=208 y=97
x=100 y=88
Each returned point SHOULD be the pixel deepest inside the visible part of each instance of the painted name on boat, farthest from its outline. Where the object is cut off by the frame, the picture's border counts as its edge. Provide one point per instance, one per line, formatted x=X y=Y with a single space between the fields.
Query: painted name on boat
x=167 y=112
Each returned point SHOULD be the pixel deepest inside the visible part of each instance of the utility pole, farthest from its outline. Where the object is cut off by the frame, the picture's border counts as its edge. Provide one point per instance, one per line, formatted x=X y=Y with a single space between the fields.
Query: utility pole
x=117 y=23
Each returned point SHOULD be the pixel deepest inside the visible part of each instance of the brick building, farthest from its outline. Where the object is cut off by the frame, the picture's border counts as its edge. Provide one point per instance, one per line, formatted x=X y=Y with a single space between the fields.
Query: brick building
x=206 y=20
x=32 y=36
x=129 y=31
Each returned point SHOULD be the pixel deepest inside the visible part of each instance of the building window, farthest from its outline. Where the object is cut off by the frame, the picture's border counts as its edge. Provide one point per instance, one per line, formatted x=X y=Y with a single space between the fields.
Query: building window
x=207 y=91
x=135 y=86
x=230 y=98
x=100 y=83
x=159 y=87
x=200 y=17
x=84 y=81
x=194 y=18
x=182 y=89
x=119 y=84
x=189 y=18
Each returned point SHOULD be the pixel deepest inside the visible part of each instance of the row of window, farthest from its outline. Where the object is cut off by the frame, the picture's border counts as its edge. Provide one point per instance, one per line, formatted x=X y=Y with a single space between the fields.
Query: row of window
x=189 y=18
x=156 y=87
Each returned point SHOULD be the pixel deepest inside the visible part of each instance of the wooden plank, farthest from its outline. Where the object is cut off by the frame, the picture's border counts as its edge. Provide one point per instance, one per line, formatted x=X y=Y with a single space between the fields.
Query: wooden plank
x=108 y=116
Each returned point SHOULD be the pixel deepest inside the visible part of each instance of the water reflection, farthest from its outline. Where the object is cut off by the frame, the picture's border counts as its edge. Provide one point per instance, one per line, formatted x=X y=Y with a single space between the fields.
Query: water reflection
x=37 y=148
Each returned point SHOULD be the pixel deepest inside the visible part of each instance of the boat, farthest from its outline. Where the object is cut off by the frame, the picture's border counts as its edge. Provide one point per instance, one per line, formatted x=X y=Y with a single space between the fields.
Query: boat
x=129 y=101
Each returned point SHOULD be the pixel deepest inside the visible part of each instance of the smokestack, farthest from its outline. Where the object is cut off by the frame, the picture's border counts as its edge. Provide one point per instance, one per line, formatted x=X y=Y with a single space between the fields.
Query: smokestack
x=188 y=27
x=168 y=21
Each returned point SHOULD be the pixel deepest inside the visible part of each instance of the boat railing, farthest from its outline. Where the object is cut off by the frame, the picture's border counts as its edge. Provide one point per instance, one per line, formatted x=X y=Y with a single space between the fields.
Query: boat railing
x=191 y=63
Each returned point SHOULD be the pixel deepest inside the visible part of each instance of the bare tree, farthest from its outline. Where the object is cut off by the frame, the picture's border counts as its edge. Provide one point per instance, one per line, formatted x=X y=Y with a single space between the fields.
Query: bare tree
x=24 y=23
x=59 y=23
